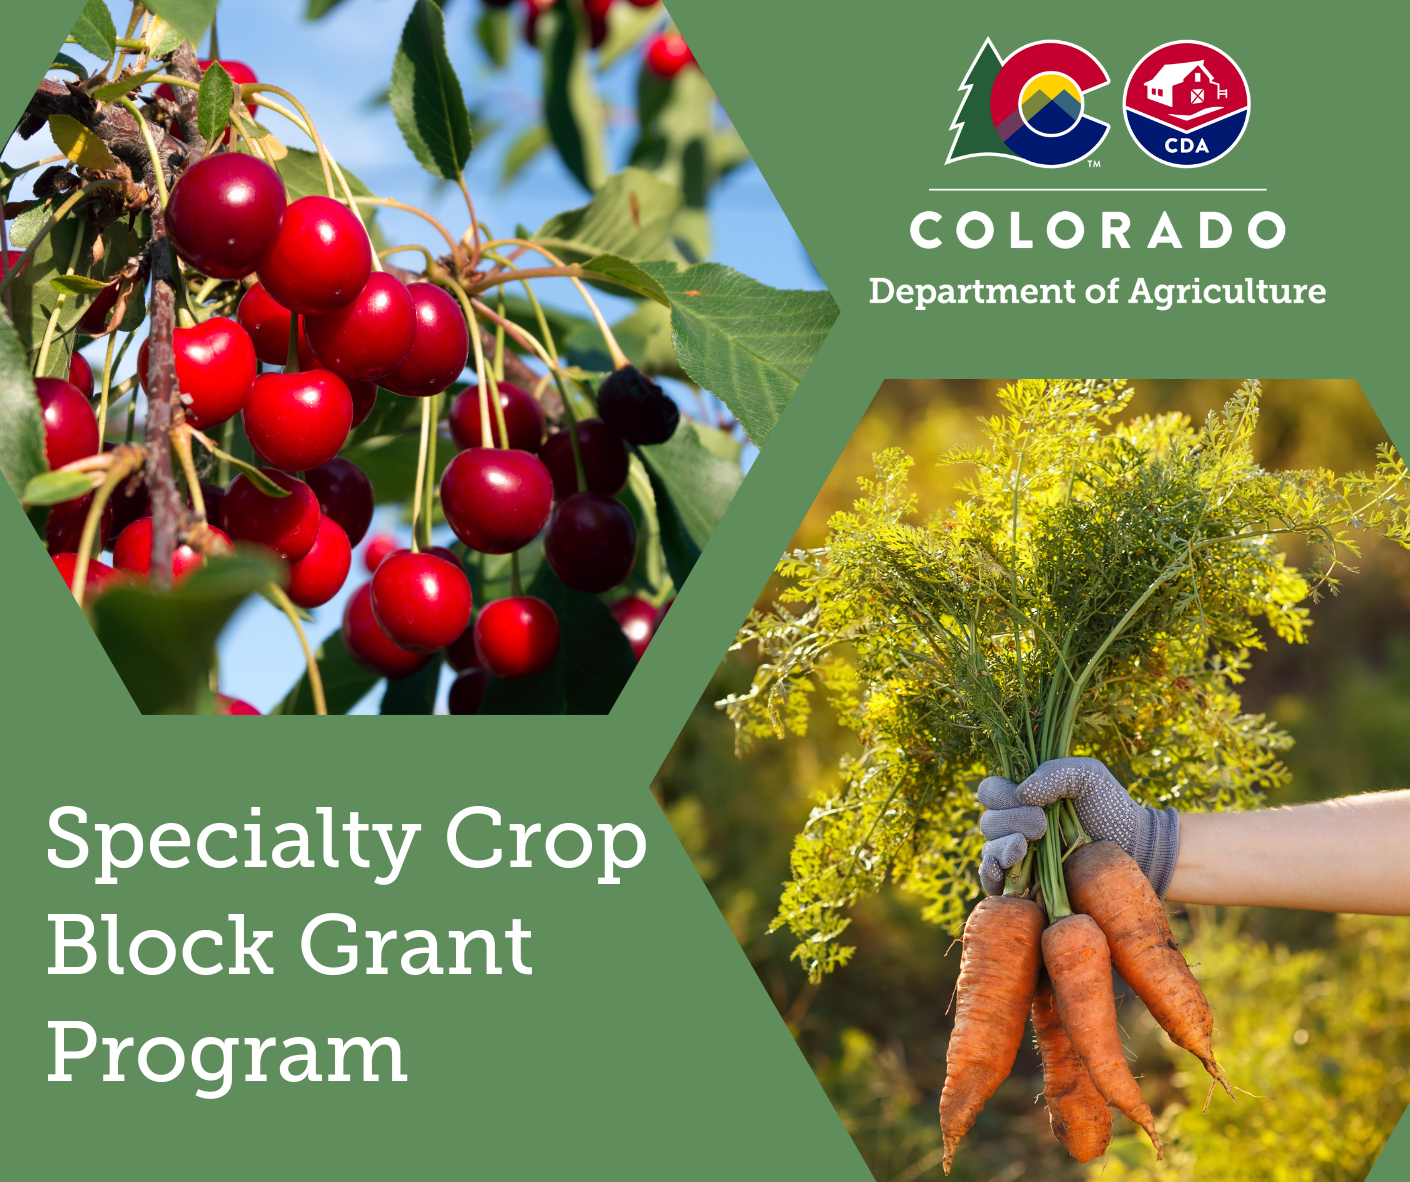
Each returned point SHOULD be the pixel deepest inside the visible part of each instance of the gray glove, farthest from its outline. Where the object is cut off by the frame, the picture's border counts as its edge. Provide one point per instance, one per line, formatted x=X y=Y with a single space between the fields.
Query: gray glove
x=1014 y=816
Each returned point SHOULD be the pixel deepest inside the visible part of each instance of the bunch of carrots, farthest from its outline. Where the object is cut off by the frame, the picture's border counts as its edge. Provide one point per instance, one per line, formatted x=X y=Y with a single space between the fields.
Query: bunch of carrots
x=1018 y=961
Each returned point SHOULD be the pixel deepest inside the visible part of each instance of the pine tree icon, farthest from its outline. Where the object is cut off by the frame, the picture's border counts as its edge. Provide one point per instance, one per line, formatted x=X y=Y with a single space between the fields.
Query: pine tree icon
x=972 y=125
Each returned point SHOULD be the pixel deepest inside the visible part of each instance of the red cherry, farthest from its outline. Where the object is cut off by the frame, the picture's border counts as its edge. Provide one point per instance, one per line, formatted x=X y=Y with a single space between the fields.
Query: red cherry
x=461 y=654
x=605 y=459
x=224 y=704
x=371 y=336
x=267 y=322
x=638 y=622
x=321 y=258
x=523 y=418
x=364 y=396
x=286 y=525
x=597 y=8
x=215 y=369
x=8 y=258
x=467 y=692
x=225 y=213
x=421 y=601
x=440 y=349
x=378 y=547
x=70 y=426
x=448 y=554
x=591 y=542
x=643 y=3
x=369 y=646
x=661 y=615
x=81 y=374
x=344 y=494
x=100 y=574
x=495 y=500
x=94 y=320
x=132 y=552
x=667 y=54
x=516 y=637
x=64 y=529
x=298 y=420
x=320 y=574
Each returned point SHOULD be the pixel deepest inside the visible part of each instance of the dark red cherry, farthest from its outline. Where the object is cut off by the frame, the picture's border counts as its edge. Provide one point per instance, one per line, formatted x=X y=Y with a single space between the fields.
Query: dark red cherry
x=225 y=213
x=637 y=408
x=591 y=542
x=225 y=704
x=369 y=646
x=212 y=495
x=344 y=494
x=286 y=525
x=81 y=374
x=94 y=320
x=461 y=654
x=371 y=336
x=667 y=55
x=364 y=396
x=70 y=426
x=440 y=348
x=215 y=370
x=421 y=601
x=64 y=529
x=605 y=459
x=320 y=574
x=298 y=420
x=496 y=500
x=131 y=499
x=516 y=637
x=321 y=258
x=523 y=418
x=267 y=322
x=132 y=552
x=467 y=692
x=100 y=574
x=637 y=619
x=378 y=547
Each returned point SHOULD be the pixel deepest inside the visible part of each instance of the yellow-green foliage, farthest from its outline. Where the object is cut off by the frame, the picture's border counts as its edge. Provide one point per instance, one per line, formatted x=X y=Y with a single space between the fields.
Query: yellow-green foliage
x=1321 y=1038
x=1096 y=592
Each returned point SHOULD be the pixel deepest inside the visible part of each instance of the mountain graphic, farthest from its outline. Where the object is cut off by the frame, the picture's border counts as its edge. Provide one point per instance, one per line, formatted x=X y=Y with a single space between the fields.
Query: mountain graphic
x=1051 y=114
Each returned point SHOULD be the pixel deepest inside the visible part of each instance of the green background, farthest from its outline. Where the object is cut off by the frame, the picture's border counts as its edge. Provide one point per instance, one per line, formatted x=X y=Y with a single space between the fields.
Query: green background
x=643 y=1045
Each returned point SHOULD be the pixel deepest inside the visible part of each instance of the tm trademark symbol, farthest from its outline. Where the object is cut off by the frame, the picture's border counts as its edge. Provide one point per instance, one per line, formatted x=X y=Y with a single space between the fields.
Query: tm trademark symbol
x=1094 y=163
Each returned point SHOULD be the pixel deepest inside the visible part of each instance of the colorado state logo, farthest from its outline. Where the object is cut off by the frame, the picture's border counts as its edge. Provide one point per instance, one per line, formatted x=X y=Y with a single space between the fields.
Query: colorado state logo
x=1186 y=104
x=1030 y=106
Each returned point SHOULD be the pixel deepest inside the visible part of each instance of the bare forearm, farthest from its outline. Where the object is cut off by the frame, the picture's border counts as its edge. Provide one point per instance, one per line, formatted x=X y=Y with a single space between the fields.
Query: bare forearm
x=1351 y=855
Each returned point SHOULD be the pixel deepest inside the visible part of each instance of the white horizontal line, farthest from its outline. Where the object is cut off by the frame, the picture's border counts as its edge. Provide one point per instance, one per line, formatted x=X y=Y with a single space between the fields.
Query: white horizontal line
x=1084 y=190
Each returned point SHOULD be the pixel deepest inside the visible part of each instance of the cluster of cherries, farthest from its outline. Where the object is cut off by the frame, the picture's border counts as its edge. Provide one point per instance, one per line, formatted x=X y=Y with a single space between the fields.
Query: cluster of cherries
x=357 y=329
x=666 y=53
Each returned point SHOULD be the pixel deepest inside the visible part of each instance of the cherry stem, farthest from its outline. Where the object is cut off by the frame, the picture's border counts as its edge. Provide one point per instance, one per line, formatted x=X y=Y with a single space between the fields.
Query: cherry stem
x=420 y=472
x=315 y=679
x=432 y=444
x=122 y=464
x=251 y=141
x=291 y=358
x=564 y=396
x=53 y=221
x=43 y=358
x=515 y=588
x=430 y=261
x=131 y=108
x=107 y=385
x=474 y=224
x=393 y=203
x=499 y=343
x=227 y=439
x=181 y=444
x=486 y=436
x=253 y=90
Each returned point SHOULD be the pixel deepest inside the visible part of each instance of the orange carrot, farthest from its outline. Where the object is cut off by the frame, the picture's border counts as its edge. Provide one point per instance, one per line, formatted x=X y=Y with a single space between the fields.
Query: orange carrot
x=1080 y=1117
x=998 y=974
x=1075 y=952
x=1103 y=881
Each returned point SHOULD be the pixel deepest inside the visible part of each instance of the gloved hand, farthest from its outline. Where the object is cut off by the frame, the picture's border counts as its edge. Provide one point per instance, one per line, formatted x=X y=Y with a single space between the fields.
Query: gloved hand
x=1014 y=817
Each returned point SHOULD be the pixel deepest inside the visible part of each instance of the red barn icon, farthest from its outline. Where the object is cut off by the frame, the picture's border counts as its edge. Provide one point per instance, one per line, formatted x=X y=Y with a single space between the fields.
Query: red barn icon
x=1187 y=88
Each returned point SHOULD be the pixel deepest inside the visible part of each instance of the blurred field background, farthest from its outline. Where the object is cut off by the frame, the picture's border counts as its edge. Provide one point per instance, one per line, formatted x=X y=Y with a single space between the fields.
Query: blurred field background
x=1312 y=1011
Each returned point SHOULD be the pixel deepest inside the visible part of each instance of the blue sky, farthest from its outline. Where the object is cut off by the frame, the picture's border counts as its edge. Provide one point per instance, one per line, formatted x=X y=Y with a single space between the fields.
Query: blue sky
x=335 y=66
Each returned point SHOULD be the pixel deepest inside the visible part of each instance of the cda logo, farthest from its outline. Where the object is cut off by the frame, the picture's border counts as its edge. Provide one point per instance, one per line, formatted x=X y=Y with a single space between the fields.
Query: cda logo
x=1186 y=104
x=1029 y=106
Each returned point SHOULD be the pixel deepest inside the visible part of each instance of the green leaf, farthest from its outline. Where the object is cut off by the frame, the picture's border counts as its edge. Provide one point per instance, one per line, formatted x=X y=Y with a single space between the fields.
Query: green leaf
x=162 y=37
x=572 y=109
x=318 y=9
x=77 y=285
x=213 y=101
x=50 y=488
x=628 y=275
x=115 y=90
x=190 y=18
x=80 y=144
x=495 y=31
x=593 y=664
x=415 y=694
x=162 y=644
x=522 y=150
x=26 y=227
x=426 y=96
x=255 y=474
x=390 y=462
x=94 y=30
x=693 y=486
x=345 y=682
x=626 y=23
x=34 y=298
x=748 y=344
x=21 y=424
x=63 y=61
x=630 y=216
